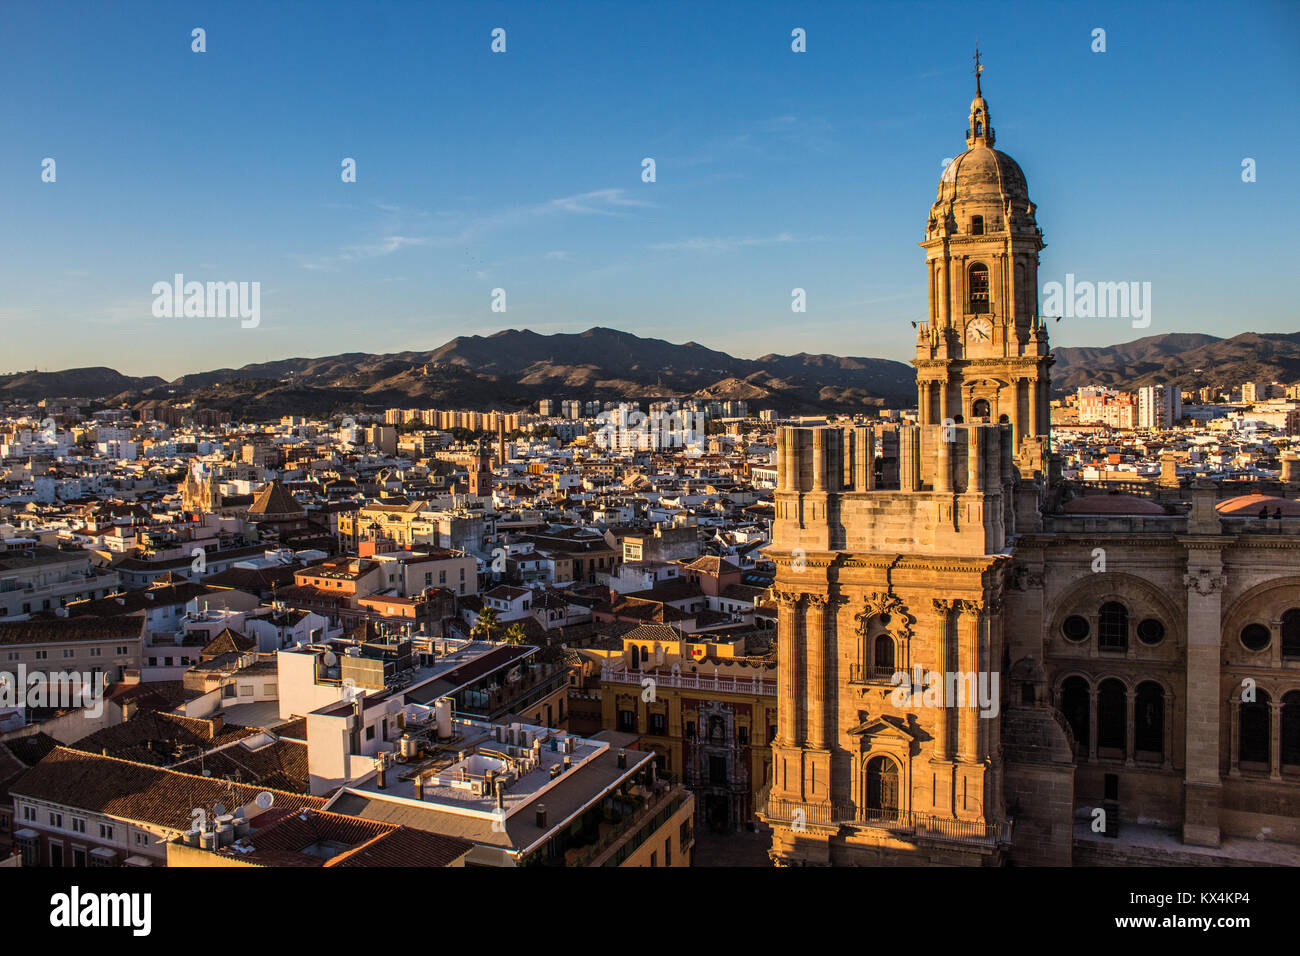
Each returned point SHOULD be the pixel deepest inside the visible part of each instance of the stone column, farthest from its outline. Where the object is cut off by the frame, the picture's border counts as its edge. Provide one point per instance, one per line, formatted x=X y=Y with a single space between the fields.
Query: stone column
x=787 y=667
x=968 y=630
x=819 y=459
x=945 y=290
x=1017 y=423
x=864 y=471
x=1204 y=582
x=942 y=738
x=815 y=683
x=1234 y=733
x=943 y=472
x=783 y=463
x=1130 y=727
x=1033 y=427
x=943 y=399
x=931 y=280
x=923 y=402
x=1092 y=718
x=1275 y=742
x=974 y=460
x=908 y=455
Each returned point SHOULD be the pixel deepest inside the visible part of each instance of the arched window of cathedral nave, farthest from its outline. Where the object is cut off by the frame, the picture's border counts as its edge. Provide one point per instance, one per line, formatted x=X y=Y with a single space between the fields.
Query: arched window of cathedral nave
x=1149 y=734
x=978 y=284
x=1112 y=627
x=1076 y=706
x=1254 y=734
x=1255 y=637
x=1151 y=632
x=1291 y=729
x=1076 y=628
x=1291 y=633
x=1112 y=716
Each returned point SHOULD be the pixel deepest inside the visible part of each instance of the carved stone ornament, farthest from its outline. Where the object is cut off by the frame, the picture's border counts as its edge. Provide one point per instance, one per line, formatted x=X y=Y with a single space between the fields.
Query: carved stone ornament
x=1204 y=582
x=877 y=605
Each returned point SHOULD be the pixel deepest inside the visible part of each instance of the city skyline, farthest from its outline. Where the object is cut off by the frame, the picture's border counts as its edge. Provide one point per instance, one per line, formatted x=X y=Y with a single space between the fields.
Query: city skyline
x=774 y=170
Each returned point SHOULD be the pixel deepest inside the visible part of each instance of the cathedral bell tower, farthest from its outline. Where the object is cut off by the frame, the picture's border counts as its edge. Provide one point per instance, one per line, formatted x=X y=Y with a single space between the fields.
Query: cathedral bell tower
x=892 y=544
x=982 y=355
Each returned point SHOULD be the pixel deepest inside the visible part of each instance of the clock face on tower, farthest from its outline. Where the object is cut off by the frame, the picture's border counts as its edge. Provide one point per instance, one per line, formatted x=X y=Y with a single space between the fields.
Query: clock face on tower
x=979 y=332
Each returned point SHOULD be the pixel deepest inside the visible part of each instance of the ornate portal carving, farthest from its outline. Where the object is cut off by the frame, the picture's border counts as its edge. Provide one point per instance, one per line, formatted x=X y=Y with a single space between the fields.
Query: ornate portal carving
x=878 y=605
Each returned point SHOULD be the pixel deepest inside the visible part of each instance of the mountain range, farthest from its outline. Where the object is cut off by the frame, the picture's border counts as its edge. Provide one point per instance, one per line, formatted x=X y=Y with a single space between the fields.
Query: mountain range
x=513 y=369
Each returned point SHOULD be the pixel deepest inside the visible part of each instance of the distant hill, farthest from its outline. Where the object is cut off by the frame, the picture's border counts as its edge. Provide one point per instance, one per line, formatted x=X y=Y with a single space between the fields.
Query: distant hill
x=1188 y=360
x=80 y=382
x=514 y=369
x=511 y=369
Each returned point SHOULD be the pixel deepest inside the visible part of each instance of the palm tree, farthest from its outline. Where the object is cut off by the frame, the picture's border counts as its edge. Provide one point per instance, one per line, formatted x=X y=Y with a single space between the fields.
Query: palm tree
x=486 y=624
x=515 y=634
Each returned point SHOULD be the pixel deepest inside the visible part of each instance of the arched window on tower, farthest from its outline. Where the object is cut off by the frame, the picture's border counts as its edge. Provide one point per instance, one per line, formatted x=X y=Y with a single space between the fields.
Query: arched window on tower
x=884 y=656
x=977 y=225
x=1112 y=717
x=1076 y=704
x=1254 y=735
x=980 y=409
x=1149 y=734
x=978 y=283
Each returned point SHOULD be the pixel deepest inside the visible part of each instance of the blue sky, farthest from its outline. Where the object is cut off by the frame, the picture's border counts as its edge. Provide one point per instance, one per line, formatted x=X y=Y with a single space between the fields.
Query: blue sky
x=522 y=170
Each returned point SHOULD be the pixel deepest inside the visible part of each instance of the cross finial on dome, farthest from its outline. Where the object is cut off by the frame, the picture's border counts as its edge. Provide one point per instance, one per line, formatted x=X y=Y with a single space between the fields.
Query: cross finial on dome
x=978 y=69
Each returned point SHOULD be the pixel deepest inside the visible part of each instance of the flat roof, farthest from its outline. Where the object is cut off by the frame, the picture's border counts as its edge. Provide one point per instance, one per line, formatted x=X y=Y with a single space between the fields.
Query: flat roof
x=566 y=796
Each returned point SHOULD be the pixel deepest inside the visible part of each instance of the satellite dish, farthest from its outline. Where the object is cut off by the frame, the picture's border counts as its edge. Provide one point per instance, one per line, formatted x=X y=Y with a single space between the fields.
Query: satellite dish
x=264 y=800
x=219 y=809
x=330 y=659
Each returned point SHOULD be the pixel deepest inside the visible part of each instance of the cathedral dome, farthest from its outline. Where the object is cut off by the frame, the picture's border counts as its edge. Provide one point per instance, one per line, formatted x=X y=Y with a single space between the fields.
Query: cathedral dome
x=1112 y=504
x=1249 y=506
x=983 y=173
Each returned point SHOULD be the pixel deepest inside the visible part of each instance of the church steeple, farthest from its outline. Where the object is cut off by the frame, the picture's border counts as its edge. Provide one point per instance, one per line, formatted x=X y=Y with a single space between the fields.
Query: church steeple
x=980 y=130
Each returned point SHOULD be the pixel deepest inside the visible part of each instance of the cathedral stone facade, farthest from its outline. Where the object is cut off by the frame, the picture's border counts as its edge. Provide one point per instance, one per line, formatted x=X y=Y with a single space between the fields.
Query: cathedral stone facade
x=980 y=664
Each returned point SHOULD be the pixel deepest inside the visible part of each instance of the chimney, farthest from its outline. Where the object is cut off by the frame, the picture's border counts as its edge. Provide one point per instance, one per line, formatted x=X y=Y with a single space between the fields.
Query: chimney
x=541 y=816
x=383 y=772
x=622 y=760
x=419 y=786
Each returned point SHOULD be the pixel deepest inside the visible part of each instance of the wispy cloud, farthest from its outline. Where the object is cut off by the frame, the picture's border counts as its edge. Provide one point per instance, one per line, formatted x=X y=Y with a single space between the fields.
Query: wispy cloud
x=396 y=234
x=718 y=244
x=384 y=246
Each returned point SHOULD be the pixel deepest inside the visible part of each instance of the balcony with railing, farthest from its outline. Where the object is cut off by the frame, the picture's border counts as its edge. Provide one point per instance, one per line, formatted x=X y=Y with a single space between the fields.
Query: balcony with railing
x=905 y=823
x=737 y=685
x=862 y=674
